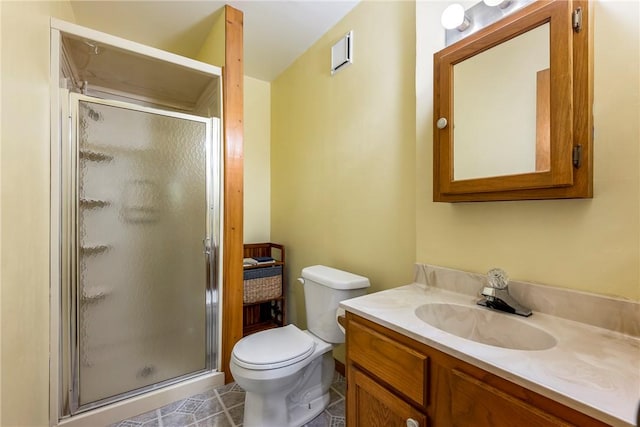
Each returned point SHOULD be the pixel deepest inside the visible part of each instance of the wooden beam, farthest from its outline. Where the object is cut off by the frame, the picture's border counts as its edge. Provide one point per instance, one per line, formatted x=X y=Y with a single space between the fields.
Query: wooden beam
x=232 y=78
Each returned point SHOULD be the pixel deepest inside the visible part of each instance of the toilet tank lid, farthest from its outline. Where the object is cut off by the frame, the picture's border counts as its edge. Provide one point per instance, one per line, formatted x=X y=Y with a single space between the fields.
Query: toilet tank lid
x=334 y=278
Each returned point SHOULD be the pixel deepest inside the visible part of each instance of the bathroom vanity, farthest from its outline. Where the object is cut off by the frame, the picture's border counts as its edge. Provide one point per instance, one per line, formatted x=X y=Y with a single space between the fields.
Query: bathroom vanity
x=393 y=379
x=403 y=371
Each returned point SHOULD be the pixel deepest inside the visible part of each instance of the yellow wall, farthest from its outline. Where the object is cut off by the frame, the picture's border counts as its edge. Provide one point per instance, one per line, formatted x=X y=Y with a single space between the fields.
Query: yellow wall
x=257 y=178
x=350 y=171
x=352 y=181
x=25 y=210
x=212 y=50
x=590 y=245
x=257 y=124
x=342 y=153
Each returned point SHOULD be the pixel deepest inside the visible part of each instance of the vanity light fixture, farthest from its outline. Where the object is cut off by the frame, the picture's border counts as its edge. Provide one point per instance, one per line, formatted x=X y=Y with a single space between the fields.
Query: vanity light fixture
x=502 y=4
x=460 y=23
x=454 y=17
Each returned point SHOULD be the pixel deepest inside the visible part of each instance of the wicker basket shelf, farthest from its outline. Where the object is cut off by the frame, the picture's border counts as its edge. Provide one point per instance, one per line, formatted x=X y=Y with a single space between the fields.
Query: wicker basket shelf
x=264 y=289
x=262 y=284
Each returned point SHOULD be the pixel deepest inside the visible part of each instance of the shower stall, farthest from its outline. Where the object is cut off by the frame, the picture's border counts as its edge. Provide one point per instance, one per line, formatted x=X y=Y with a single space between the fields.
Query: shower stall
x=138 y=258
x=138 y=226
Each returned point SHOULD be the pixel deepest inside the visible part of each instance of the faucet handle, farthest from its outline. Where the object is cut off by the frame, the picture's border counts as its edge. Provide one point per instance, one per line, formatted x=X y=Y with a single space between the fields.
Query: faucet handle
x=488 y=292
x=499 y=299
x=497 y=278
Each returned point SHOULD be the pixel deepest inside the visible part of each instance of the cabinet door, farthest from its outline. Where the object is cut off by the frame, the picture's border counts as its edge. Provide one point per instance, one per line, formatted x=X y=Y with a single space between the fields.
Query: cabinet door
x=371 y=405
x=476 y=403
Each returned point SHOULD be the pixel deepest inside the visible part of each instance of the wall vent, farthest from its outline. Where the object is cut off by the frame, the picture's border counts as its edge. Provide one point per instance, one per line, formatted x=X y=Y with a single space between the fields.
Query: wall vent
x=342 y=53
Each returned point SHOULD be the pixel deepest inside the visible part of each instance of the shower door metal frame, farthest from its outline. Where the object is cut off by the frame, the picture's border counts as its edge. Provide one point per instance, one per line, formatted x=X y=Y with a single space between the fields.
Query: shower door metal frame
x=69 y=161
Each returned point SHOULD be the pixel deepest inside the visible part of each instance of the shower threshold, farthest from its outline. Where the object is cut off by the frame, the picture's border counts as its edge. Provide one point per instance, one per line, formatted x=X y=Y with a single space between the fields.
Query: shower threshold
x=146 y=402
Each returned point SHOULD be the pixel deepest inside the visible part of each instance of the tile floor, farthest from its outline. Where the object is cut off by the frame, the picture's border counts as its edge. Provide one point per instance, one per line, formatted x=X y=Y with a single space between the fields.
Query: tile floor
x=224 y=407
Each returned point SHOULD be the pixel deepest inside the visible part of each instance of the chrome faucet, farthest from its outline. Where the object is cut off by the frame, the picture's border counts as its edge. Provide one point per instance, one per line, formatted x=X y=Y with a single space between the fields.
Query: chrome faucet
x=497 y=297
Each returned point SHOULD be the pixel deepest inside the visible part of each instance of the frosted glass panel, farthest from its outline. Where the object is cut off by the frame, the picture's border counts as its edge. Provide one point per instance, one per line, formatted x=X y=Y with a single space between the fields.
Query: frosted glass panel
x=141 y=271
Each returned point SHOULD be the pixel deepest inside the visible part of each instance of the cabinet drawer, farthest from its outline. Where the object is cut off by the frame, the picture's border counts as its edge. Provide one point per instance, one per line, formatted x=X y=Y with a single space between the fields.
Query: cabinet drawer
x=392 y=362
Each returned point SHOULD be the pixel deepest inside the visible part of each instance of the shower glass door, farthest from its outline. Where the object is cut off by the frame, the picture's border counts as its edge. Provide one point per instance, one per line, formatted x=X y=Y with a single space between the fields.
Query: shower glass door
x=141 y=268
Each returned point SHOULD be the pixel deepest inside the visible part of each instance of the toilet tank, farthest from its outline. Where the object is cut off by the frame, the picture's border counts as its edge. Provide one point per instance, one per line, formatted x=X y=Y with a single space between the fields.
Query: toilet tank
x=324 y=288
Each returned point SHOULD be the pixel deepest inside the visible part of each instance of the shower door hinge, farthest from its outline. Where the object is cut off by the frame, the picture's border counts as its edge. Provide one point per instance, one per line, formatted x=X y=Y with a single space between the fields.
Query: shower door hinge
x=576 y=20
x=577 y=156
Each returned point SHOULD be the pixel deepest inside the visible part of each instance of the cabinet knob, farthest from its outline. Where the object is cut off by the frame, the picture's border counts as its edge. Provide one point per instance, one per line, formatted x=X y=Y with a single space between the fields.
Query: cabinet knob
x=442 y=123
x=412 y=423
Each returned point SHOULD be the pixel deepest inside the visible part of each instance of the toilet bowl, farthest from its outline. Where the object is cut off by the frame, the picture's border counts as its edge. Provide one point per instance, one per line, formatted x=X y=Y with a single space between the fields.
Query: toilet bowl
x=287 y=392
x=286 y=372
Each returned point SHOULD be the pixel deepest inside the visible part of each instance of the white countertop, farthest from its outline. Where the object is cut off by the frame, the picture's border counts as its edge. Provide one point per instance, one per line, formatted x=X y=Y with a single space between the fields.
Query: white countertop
x=590 y=369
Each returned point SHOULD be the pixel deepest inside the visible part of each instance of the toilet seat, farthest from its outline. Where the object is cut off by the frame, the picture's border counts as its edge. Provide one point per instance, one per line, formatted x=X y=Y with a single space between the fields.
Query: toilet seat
x=274 y=348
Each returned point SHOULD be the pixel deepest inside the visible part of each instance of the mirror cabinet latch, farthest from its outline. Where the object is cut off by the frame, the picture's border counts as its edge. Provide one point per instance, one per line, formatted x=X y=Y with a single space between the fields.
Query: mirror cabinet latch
x=577 y=156
x=442 y=123
x=576 y=21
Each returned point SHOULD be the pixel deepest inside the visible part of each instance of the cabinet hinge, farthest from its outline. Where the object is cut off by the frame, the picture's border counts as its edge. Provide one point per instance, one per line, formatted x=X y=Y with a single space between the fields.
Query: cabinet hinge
x=576 y=20
x=577 y=156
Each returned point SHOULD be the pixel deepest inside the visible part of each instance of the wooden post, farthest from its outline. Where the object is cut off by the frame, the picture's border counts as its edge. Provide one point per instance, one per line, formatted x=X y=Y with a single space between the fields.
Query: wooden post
x=232 y=78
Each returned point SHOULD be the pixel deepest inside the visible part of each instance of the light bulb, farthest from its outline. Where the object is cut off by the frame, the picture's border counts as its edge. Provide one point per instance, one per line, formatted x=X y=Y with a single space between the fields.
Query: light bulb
x=454 y=17
x=500 y=3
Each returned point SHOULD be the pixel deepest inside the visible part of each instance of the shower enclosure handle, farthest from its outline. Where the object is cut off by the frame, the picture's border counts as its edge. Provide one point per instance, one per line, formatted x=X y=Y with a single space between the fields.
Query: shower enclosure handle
x=206 y=242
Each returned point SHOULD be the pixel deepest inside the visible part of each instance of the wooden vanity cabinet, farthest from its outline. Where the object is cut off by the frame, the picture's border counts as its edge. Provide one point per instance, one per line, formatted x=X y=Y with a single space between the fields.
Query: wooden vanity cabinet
x=393 y=380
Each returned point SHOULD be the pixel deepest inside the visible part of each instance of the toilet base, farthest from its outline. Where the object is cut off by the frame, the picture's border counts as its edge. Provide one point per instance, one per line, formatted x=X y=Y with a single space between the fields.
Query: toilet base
x=292 y=405
x=276 y=416
x=301 y=415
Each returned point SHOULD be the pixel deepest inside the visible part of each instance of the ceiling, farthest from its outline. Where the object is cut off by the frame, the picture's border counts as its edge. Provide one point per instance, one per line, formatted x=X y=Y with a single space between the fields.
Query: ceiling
x=275 y=32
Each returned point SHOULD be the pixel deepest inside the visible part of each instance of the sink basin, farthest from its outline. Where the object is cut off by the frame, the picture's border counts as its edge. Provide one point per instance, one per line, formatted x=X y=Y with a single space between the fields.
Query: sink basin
x=485 y=326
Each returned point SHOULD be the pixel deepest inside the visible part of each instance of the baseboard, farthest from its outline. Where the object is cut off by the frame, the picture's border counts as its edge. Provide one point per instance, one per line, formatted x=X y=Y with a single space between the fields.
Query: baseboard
x=340 y=367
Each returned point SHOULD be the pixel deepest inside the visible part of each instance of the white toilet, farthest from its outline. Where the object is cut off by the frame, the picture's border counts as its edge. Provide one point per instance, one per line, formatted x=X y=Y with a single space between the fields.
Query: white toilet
x=286 y=372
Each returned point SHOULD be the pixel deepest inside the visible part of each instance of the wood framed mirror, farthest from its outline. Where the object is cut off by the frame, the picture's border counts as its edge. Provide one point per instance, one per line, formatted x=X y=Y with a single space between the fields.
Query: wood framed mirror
x=513 y=108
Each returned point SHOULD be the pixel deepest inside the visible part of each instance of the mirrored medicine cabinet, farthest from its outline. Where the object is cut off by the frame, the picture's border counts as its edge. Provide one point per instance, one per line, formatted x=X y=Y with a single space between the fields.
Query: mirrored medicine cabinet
x=513 y=108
